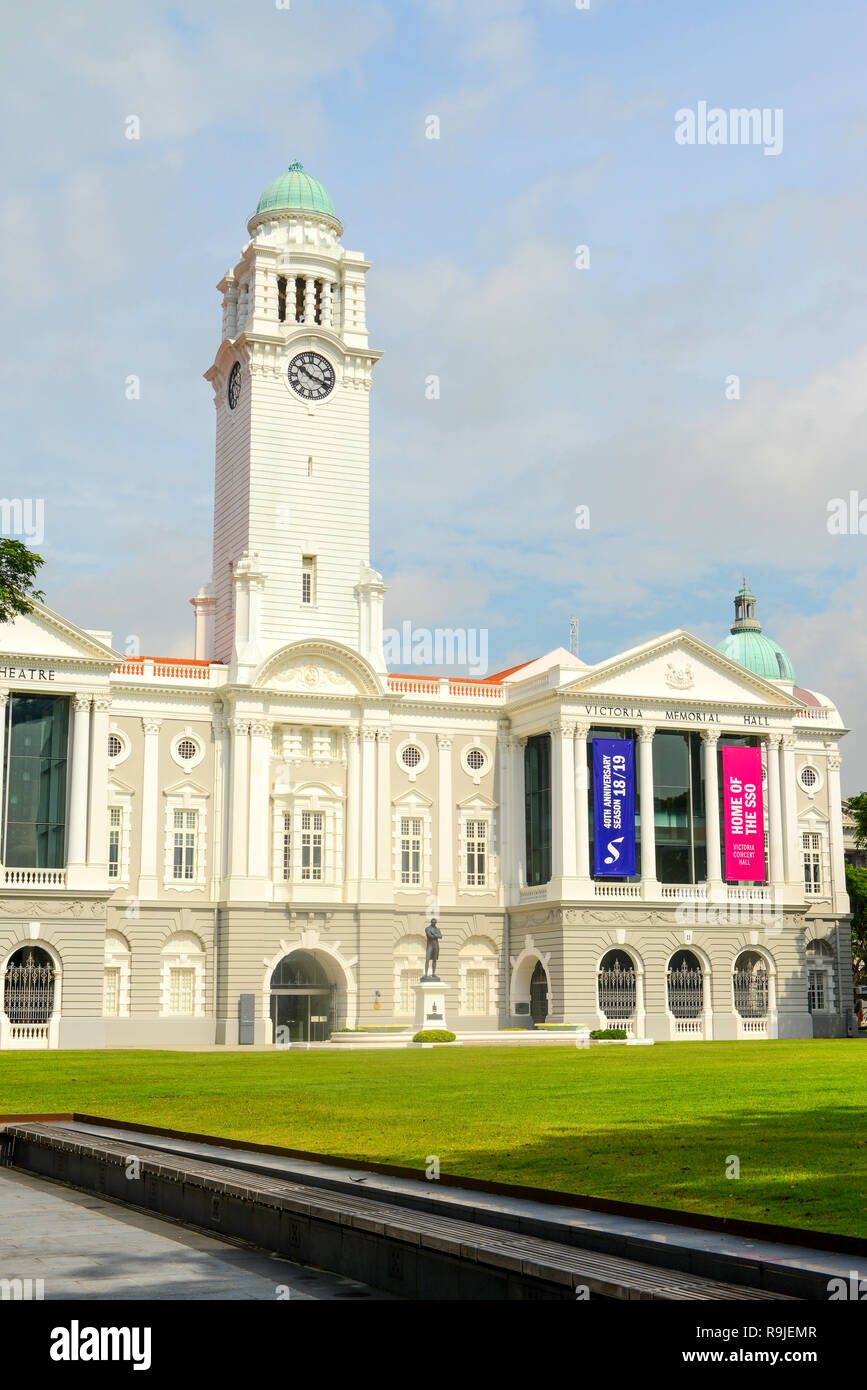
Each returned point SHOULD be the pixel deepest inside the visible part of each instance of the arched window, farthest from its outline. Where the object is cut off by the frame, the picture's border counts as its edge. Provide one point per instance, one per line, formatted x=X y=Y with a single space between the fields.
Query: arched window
x=28 y=989
x=616 y=989
x=183 y=976
x=116 y=976
x=750 y=980
x=820 y=977
x=685 y=986
x=408 y=969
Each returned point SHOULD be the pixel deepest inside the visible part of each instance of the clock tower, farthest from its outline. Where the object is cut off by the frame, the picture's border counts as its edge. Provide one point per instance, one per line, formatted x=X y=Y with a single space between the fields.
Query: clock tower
x=291 y=386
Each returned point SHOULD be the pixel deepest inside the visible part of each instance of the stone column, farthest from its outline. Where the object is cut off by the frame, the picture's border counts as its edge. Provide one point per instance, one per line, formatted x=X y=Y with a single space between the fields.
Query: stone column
x=445 y=889
x=219 y=867
x=150 y=802
x=76 y=853
x=239 y=814
x=710 y=738
x=368 y=805
x=792 y=862
x=309 y=300
x=840 y=897
x=649 y=884
x=775 y=811
x=519 y=830
x=564 y=853
x=582 y=808
x=383 y=807
x=97 y=840
x=327 y=305
x=353 y=809
x=503 y=785
x=259 y=853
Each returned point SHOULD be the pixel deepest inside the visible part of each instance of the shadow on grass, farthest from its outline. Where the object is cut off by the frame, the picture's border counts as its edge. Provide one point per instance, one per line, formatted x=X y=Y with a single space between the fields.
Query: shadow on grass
x=805 y=1169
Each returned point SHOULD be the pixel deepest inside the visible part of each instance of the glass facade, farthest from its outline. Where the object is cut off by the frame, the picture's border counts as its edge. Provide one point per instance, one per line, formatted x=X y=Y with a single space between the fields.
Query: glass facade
x=537 y=808
x=34 y=784
x=679 y=807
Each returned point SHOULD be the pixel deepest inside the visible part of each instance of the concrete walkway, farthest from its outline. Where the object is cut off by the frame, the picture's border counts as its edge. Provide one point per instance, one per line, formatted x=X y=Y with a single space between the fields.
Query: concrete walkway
x=85 y=1248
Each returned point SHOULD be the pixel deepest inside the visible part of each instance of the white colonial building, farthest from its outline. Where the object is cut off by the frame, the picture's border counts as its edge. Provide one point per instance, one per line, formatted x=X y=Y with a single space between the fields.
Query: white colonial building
x=194 y=851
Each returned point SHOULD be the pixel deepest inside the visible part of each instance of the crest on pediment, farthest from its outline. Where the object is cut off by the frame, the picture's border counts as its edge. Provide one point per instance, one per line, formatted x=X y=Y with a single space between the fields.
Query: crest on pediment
x=679 y=675
x=318 y=668
x=313 y=676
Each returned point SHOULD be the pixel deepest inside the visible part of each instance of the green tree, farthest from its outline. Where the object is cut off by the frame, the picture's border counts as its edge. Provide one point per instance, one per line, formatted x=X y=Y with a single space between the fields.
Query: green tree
x=18 y=567
x=856 y=884
x=857 y=806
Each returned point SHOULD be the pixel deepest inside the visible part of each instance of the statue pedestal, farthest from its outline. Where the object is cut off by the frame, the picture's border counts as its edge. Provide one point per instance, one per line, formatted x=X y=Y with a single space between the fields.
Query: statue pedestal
x=430 y=1004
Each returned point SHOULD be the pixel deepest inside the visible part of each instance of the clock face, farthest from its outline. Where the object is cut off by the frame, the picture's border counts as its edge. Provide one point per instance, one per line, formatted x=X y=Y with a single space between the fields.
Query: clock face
x=311 y=376
x=234 y=390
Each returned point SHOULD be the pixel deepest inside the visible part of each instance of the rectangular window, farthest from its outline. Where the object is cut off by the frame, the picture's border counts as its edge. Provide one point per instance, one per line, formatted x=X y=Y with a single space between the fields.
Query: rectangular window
x=114 y=828
x=816 y=992
x=410 y=850
x=408 y=978
x=812 y=863
x=111 y=992
x=477 y=991
x=477 y=845
x=34 y=827
x=184 y=861
x=281 y=298
x=287 y=845
x=537 y=808
x=180 y=991
x=308 y=578
x=311 y=845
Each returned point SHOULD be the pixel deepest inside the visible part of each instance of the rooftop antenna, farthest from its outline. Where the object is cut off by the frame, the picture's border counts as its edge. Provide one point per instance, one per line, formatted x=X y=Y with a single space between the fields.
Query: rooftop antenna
x=573 y=636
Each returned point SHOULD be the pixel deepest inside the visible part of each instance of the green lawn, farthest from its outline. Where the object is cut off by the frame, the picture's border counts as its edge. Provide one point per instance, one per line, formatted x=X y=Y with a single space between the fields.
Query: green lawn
x=652 y=1124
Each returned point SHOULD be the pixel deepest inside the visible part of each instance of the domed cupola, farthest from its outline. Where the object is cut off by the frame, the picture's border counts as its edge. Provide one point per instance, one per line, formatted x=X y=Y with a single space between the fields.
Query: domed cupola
x=749 y=646
x=295 y=191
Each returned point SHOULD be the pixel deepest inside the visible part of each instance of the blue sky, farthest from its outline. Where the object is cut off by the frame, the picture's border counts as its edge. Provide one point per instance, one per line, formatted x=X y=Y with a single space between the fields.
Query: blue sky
x=559 y=386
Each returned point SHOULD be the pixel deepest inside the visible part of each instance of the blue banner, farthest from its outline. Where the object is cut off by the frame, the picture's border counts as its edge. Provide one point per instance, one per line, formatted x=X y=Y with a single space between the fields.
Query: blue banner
x=613 y=807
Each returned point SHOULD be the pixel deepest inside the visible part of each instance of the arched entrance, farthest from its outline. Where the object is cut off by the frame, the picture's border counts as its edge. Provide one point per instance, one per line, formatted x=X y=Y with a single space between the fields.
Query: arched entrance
x=539 y=994
x=28 y=998
x=303 y=999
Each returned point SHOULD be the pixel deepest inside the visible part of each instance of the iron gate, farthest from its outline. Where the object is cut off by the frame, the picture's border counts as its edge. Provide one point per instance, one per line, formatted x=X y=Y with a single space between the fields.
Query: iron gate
x=617 y=992
x=28 y=991
x=751 y=993
x=685 y=992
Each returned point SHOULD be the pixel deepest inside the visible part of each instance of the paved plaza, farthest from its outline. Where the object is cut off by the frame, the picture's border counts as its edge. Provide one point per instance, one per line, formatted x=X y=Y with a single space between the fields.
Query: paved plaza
x=84 y=1247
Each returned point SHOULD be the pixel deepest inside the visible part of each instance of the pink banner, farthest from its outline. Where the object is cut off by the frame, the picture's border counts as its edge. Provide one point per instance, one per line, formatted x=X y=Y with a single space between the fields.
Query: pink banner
x=742 y=813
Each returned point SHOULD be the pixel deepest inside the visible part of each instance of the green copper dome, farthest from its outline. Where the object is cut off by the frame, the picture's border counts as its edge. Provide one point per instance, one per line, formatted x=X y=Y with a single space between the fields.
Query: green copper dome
x=295 y=190
x=749 y=646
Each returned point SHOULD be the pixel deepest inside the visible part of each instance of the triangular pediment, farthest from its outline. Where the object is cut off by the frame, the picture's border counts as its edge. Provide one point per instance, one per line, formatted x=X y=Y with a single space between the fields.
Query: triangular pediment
x=44 y=635
x=680 y=668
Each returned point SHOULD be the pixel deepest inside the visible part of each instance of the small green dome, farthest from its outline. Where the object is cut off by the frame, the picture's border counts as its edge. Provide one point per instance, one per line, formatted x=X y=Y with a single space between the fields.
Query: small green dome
x=295 y=190
x=749 y=646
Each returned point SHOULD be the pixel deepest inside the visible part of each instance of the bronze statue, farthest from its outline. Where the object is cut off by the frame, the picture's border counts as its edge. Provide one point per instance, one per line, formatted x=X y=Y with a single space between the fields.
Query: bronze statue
x=432 y=954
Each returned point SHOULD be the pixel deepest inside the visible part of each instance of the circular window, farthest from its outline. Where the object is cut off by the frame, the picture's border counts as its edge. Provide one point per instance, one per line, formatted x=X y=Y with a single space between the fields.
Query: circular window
x=187 y=749
x=476 y=759
x=234 y=389
x=115 y=746
x=411 y=756
x=809 y=778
